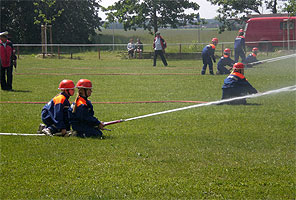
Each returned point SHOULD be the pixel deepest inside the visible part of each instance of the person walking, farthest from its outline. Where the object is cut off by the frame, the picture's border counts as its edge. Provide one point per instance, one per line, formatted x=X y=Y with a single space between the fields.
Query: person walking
x=224 y=61
x=8 y=59
x=240 y=47
x=55 y=113
x=159 y=45
x=208 y=54
x=236 y=85
x=81 y=113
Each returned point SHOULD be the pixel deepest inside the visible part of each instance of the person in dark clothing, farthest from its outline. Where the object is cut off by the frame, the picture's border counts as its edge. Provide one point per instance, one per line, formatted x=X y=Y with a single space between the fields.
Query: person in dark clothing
x=225 y=60
x=239 y=46
x=208 y=55
x=159 y=46
x=55 y=113
x=81 y=113
x=252 y=58
x=236 y=85
x=7 y=60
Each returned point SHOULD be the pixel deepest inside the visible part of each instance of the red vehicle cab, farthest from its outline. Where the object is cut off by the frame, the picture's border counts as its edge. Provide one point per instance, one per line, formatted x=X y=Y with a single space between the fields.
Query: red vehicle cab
x=268 y=32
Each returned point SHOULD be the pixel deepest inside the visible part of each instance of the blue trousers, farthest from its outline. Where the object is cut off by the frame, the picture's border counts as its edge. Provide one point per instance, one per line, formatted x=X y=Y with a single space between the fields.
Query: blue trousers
x=207 y=60
x=239 y=53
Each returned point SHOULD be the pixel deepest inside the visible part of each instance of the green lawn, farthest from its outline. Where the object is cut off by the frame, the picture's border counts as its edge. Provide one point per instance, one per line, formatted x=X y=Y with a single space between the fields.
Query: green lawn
x=212 y=152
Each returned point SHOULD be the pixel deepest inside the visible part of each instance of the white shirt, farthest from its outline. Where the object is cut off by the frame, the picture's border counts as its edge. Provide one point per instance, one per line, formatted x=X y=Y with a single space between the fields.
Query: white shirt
x=158 y=44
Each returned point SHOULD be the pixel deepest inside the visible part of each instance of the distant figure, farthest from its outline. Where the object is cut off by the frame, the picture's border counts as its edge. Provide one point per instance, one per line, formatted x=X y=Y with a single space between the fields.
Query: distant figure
x=159 y=45
x=81 y=112
x=139 y=48
x=208 y=55
x=225 y=60
x=252 y=57
x=55 y=113
x=7 y=60
x=239 y=46
x=236 y=85
x=131 y=48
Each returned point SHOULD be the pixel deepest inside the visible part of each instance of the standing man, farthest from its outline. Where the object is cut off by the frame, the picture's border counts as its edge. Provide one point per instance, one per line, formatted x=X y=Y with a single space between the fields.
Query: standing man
x=208 y=53
x=239 y=46
x=159 y=45
x=8 y=58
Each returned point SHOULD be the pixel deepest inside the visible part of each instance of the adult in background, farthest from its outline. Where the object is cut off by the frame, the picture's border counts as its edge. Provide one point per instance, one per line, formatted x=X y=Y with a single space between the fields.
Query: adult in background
x=208 y=55
x=8 y=59
x=236 y=85
x=159 y=45
x=131 y=48
x=252 y=58
x=239 y=46
x=81 y=113
x=139 y=48
x=224 y=61
x=55 y=113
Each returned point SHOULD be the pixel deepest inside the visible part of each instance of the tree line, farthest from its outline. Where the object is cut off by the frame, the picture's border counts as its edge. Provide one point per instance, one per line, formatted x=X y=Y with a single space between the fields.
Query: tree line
x=75 y=21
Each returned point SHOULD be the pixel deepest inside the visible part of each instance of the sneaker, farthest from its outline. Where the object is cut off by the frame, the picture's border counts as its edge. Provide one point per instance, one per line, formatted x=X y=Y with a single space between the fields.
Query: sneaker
x=47 y=132
x=41 y=127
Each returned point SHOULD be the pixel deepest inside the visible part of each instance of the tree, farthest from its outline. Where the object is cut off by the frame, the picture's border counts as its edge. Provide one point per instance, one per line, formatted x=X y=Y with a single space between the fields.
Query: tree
x=236 y=11
x=72 y=21
x=151 y=14
x=290 y=7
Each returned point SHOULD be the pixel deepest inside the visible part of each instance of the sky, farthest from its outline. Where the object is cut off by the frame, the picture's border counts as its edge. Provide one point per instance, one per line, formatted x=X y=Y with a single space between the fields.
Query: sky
x=206 y=10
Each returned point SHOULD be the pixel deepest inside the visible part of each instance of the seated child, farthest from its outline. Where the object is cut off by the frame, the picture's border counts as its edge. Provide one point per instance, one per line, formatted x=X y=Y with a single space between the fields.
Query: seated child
x=224 y=61
x=252 y=57
x=82 y=114
x=55 y=113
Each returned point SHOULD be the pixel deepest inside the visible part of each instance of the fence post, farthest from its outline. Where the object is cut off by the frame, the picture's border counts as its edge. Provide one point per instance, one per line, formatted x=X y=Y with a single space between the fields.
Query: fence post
x=180 y=50
x=59 y=52
x=222 y=49
x=99 y=53
x=71 y=55
x=18 y=52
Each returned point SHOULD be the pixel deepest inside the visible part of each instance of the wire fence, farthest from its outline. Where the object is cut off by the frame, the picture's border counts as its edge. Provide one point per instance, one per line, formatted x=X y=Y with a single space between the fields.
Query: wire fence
x=174 y=50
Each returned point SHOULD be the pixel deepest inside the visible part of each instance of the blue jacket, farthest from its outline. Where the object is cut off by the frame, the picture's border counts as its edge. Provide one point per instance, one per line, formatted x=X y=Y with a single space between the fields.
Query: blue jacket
x=83 y=118
x=238 y=81
x=209 y=50
x=57 y=110
x=251 y=58
x=224 y=61
x=239 y=43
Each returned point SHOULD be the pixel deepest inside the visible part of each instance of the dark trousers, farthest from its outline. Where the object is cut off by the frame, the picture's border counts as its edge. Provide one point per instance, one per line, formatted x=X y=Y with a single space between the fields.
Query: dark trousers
x=160 y=53
x=6 y=84
x=222 y=70
x=46 y=119
x=207 y=60
x=239 y=53
x=87 y=131
x=228 y=93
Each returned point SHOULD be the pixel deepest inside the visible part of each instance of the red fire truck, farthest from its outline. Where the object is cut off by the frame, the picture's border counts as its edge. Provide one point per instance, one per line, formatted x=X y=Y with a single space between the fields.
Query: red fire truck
x=268 y=32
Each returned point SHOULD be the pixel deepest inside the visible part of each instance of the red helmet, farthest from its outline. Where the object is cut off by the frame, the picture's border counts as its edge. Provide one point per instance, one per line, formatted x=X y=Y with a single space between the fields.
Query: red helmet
x=255 y=49
x=241 y=31
x=84 y=83
x=66 y=84
x=215 y=40
x=227 y=50
x=238 y=66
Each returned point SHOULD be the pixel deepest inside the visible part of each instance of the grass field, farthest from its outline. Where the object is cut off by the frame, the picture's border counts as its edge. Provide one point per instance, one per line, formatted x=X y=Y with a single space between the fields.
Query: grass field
x=213 y=152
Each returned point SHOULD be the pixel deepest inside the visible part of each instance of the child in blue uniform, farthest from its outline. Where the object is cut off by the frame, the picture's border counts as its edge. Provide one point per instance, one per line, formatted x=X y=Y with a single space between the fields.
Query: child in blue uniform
x=225 y=60
x=55 y=113
x=82 y=114
x=236 y=85
x=208 y=55
x=252 y=57
x=239 y=46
